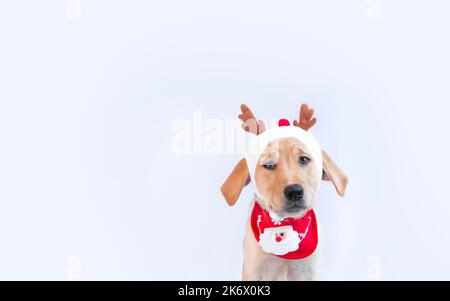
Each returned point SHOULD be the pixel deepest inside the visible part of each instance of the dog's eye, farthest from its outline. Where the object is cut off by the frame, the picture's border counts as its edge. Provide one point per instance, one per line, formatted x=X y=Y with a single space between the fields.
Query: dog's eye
x=269 y=165
x=303 y=160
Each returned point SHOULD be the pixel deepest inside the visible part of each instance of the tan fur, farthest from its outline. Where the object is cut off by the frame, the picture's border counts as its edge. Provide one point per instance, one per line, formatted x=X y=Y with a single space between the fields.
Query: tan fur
x=271 y=183
x=334 y=174
x=237 y=180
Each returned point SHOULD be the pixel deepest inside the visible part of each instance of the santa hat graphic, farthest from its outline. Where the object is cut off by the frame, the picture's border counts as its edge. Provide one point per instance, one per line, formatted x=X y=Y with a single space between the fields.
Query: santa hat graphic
x=257 y=144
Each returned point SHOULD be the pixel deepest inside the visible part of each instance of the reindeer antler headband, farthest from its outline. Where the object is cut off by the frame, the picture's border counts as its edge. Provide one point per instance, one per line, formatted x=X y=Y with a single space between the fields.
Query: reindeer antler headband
x=239 y=177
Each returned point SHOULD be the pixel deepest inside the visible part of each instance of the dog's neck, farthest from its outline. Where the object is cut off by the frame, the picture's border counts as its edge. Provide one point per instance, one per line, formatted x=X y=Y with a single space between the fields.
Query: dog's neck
x=274 y=216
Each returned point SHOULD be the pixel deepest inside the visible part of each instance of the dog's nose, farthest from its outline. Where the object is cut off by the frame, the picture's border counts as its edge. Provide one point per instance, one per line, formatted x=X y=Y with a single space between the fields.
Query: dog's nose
x=293 y=192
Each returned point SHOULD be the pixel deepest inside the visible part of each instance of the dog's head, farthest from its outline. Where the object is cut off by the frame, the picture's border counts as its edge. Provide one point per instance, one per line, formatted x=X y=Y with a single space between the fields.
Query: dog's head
x=286 y=176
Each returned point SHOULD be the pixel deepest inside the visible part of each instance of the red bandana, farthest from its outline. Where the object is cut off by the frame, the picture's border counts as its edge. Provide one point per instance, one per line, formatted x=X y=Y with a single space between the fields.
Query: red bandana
x=290 y=238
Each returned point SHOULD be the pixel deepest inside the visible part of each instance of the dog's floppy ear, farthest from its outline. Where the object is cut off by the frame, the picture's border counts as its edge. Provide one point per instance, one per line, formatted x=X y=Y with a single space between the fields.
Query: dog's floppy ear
x=331 y=172
x=235 y=182
x=240 y=177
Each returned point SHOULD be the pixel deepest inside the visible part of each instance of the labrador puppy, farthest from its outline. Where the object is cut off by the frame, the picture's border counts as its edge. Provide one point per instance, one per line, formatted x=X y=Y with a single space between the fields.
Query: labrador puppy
x=282 y=239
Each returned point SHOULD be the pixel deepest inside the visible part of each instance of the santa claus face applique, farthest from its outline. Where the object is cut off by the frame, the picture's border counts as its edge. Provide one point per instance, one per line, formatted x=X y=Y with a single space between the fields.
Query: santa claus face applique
x=279 y=240
x=289 y=238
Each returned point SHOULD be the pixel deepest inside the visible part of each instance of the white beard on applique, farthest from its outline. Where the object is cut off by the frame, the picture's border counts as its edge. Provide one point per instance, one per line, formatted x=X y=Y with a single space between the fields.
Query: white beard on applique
x=279 y=240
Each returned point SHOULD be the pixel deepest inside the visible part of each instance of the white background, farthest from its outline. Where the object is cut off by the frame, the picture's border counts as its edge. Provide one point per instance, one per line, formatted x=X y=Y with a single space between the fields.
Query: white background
x=90 y=187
